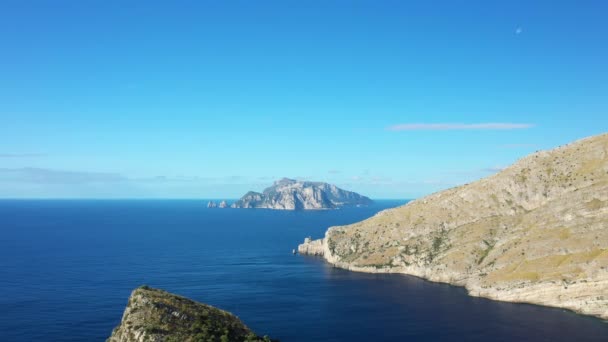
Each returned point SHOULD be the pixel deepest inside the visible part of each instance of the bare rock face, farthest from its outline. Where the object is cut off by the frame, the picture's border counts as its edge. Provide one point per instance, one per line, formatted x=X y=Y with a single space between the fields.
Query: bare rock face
x=311 y=247
x=156 y=315
x=251 y=199
x=536 y=232
x=289 y=194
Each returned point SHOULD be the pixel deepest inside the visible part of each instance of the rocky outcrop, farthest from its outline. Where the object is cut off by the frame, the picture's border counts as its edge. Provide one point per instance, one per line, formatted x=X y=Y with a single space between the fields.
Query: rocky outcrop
x=289 y=194
x=223 y=204
x=156 y=315
x=251 y=199
x=311 y=247
x=211 y=204
x=536 y=232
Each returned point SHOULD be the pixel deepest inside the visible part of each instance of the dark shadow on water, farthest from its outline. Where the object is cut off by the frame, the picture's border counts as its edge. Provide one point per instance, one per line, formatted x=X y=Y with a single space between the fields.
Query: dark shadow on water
x=408 y=307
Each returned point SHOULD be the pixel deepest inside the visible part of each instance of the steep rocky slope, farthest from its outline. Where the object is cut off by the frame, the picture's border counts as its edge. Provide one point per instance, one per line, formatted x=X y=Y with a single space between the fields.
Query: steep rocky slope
x=156 y=315
x=289 y=194
x=535 y=232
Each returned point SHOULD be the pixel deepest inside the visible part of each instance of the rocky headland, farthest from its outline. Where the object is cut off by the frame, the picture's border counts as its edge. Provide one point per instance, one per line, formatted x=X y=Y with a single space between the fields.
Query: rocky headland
x=536 y=232
x=159 y=316
x=290 y=194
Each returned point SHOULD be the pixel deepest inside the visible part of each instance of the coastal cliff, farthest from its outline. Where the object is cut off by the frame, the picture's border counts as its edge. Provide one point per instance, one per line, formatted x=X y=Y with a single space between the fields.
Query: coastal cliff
x=290 y=194
x=536 y=232
x=312 y=247
x=156 y=315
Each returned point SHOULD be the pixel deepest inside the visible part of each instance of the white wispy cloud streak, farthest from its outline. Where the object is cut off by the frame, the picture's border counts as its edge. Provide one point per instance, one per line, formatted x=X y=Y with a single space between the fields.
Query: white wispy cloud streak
x=21 y=155
x=517 y=145
x=47 y=176
x=458 y=126
x=35 y=175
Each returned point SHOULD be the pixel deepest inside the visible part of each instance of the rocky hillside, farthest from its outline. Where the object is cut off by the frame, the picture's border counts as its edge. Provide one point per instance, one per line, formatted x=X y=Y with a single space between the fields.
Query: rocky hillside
x=156 y=315
x=289 y=194
x=535 y=232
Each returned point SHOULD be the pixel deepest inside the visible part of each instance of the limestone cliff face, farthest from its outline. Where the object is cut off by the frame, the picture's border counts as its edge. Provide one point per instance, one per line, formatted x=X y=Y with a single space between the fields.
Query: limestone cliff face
x=289 y=194
x=311 y=247
x=156 y=315
x=535 y=232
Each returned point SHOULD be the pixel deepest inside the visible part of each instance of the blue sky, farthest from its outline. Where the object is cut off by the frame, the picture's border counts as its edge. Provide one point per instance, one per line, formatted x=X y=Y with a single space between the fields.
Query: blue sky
x=209 y=99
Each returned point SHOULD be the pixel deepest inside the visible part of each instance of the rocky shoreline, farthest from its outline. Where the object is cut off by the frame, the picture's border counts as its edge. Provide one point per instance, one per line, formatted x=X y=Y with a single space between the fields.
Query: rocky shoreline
x=542 y=294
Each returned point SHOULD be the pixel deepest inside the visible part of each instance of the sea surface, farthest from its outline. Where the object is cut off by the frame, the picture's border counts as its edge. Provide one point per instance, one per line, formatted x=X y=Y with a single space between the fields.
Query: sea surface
x=67 y=268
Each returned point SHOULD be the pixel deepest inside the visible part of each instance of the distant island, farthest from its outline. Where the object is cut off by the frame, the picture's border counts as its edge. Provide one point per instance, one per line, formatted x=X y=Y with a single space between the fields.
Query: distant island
x=291 y=194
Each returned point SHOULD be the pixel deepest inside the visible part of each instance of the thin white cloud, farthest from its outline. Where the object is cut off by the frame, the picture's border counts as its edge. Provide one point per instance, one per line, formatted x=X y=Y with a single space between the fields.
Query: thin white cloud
x=34 y=175
x=518 y=145
x=458 y=126
x=266 y=178
x=366 y=178
x=21 y=155
x=47 y=176
x=519 y=30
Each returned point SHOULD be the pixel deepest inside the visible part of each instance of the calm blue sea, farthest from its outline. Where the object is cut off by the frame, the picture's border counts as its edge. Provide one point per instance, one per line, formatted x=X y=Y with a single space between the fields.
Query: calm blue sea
x=67 y=268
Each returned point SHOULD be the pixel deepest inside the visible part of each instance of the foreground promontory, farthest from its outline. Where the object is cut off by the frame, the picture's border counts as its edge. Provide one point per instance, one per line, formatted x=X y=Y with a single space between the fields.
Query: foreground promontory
x=290 y=194
x=156 y=315
x=536 y=232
